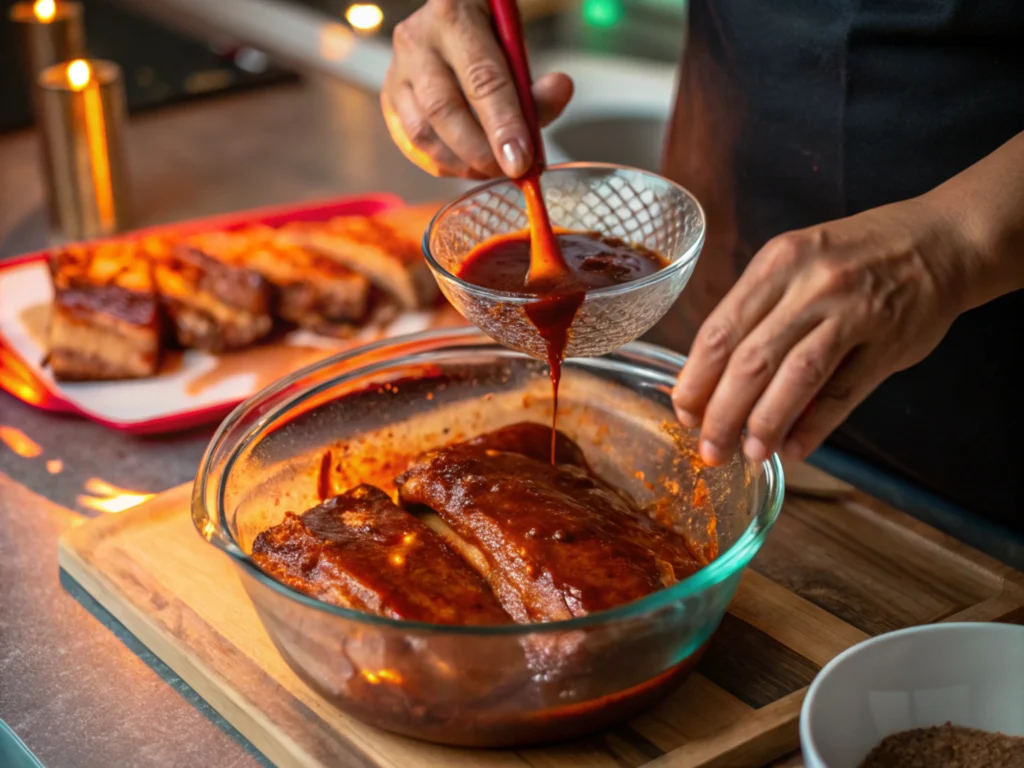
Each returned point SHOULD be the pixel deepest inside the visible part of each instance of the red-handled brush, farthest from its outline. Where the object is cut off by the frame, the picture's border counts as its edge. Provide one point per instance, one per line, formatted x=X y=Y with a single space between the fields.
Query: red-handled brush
x=546 y=262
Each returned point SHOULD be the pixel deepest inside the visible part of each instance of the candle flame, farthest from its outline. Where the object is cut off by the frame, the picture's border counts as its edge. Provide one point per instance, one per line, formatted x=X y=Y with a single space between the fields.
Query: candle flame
x=366 y=17
x=20 y=443
x=106 y=497
x=54 y=466
x=45 y=10
x=79 y=74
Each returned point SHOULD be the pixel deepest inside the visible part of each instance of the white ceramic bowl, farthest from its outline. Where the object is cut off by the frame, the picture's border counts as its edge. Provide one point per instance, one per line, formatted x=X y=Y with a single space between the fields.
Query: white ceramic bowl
x=969 y=674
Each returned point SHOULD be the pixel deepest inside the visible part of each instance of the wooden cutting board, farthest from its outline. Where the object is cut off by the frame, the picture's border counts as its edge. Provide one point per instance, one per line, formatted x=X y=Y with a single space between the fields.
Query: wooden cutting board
x=838 y=567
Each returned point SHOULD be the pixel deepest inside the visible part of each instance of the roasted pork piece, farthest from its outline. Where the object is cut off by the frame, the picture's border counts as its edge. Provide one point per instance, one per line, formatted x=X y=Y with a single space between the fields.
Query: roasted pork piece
x=311 y=290
x=214 y=299
x=360 y=551
x=386 y=247
x=105 y=321
x=554 y=542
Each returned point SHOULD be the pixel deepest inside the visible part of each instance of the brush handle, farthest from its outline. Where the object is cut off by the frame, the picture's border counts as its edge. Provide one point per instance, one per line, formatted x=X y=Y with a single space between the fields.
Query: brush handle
x=510 y=34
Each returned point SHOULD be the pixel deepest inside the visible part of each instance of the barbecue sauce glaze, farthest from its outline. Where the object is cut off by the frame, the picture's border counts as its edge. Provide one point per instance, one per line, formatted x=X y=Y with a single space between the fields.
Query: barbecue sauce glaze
x=591 y=261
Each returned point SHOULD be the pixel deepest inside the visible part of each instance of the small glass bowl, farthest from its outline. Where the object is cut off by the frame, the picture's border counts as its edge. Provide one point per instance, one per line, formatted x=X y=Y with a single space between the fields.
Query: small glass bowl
x=636 y=206
x=485 y=686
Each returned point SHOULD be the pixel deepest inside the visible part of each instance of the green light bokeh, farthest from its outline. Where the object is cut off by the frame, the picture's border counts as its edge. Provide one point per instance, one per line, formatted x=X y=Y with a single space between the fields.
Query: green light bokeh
x=602 y=13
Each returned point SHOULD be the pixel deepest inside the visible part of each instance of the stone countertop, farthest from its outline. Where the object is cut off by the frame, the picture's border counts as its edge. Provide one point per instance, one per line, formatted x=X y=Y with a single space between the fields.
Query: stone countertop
x=77 y=693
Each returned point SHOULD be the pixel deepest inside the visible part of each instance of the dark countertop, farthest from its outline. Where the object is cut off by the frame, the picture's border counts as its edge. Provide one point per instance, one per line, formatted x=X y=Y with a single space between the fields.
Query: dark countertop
x=76 y=687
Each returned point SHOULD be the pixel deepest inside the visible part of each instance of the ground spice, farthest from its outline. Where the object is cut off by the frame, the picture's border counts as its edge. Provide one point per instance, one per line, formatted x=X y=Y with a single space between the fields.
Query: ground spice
x=947 y=746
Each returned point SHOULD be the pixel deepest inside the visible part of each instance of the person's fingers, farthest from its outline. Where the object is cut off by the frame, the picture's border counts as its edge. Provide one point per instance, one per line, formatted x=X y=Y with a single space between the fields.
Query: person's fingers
x=444 y=107
x=478 y=61
x=749 y=371
x=803 y=373
x=414 y=136
x=852 y=382
x=741 y=310
x=552 y=93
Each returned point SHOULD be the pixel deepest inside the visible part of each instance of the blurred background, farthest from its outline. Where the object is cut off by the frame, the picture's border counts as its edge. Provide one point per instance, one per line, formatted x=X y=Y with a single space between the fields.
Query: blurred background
x=174 y=50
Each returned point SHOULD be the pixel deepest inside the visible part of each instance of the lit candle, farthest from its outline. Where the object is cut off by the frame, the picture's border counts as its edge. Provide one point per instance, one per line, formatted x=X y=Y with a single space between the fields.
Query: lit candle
x=83 y=109
x=50 y=33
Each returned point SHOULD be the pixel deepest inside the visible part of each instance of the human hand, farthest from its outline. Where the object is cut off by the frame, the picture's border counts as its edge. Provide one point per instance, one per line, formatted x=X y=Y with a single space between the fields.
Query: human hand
x=817 y=320
x=449 y=100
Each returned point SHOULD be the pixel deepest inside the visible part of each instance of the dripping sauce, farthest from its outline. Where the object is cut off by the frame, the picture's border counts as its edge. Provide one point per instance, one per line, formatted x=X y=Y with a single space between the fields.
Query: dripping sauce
x=591 y=261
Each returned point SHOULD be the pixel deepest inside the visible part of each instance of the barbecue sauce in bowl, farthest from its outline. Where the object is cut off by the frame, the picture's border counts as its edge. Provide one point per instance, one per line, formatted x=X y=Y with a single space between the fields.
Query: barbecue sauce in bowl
x=591 y=261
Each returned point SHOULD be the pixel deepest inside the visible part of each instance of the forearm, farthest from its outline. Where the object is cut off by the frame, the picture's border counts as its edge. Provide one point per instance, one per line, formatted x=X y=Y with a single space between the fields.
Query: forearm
x=986 y=204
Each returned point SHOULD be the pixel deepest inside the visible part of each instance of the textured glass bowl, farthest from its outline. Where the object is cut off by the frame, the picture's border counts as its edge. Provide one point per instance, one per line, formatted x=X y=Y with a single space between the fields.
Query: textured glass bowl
x=375 y=408
x=636 y=206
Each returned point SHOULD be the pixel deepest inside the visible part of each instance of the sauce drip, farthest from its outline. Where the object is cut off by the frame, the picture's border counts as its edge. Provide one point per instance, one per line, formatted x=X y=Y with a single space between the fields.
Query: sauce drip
x=591 y=261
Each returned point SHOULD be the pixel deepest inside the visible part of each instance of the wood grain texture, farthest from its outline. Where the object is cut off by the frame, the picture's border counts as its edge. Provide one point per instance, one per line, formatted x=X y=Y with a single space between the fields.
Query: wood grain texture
x=836 y=571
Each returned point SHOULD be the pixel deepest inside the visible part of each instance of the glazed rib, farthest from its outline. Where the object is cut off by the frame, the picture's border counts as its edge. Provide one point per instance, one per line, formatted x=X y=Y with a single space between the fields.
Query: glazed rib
x=557 y=541
x=360 y=551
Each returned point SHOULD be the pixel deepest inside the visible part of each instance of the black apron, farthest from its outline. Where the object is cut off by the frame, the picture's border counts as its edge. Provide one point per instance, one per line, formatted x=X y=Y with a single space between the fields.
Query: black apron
x=794 y=112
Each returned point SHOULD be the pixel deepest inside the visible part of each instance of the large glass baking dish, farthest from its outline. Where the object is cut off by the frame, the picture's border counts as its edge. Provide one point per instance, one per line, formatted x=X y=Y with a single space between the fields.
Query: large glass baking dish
x=375 y=408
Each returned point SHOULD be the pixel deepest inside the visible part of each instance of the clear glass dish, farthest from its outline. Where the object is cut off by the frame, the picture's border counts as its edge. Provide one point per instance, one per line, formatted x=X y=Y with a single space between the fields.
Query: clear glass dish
x=636 y=206
x=377 y=407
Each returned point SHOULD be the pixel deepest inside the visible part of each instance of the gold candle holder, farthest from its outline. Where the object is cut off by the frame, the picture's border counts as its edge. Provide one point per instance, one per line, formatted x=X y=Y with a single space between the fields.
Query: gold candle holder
x=83 y=114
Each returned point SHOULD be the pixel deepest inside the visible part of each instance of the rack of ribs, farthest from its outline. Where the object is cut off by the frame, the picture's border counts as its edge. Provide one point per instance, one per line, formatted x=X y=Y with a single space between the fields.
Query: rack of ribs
x=360 y=551
x=553 y=541
x=105 y=320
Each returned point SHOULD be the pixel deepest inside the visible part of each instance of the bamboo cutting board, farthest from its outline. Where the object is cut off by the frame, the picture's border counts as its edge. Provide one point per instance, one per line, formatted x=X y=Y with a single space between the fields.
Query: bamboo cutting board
x=838 y=567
